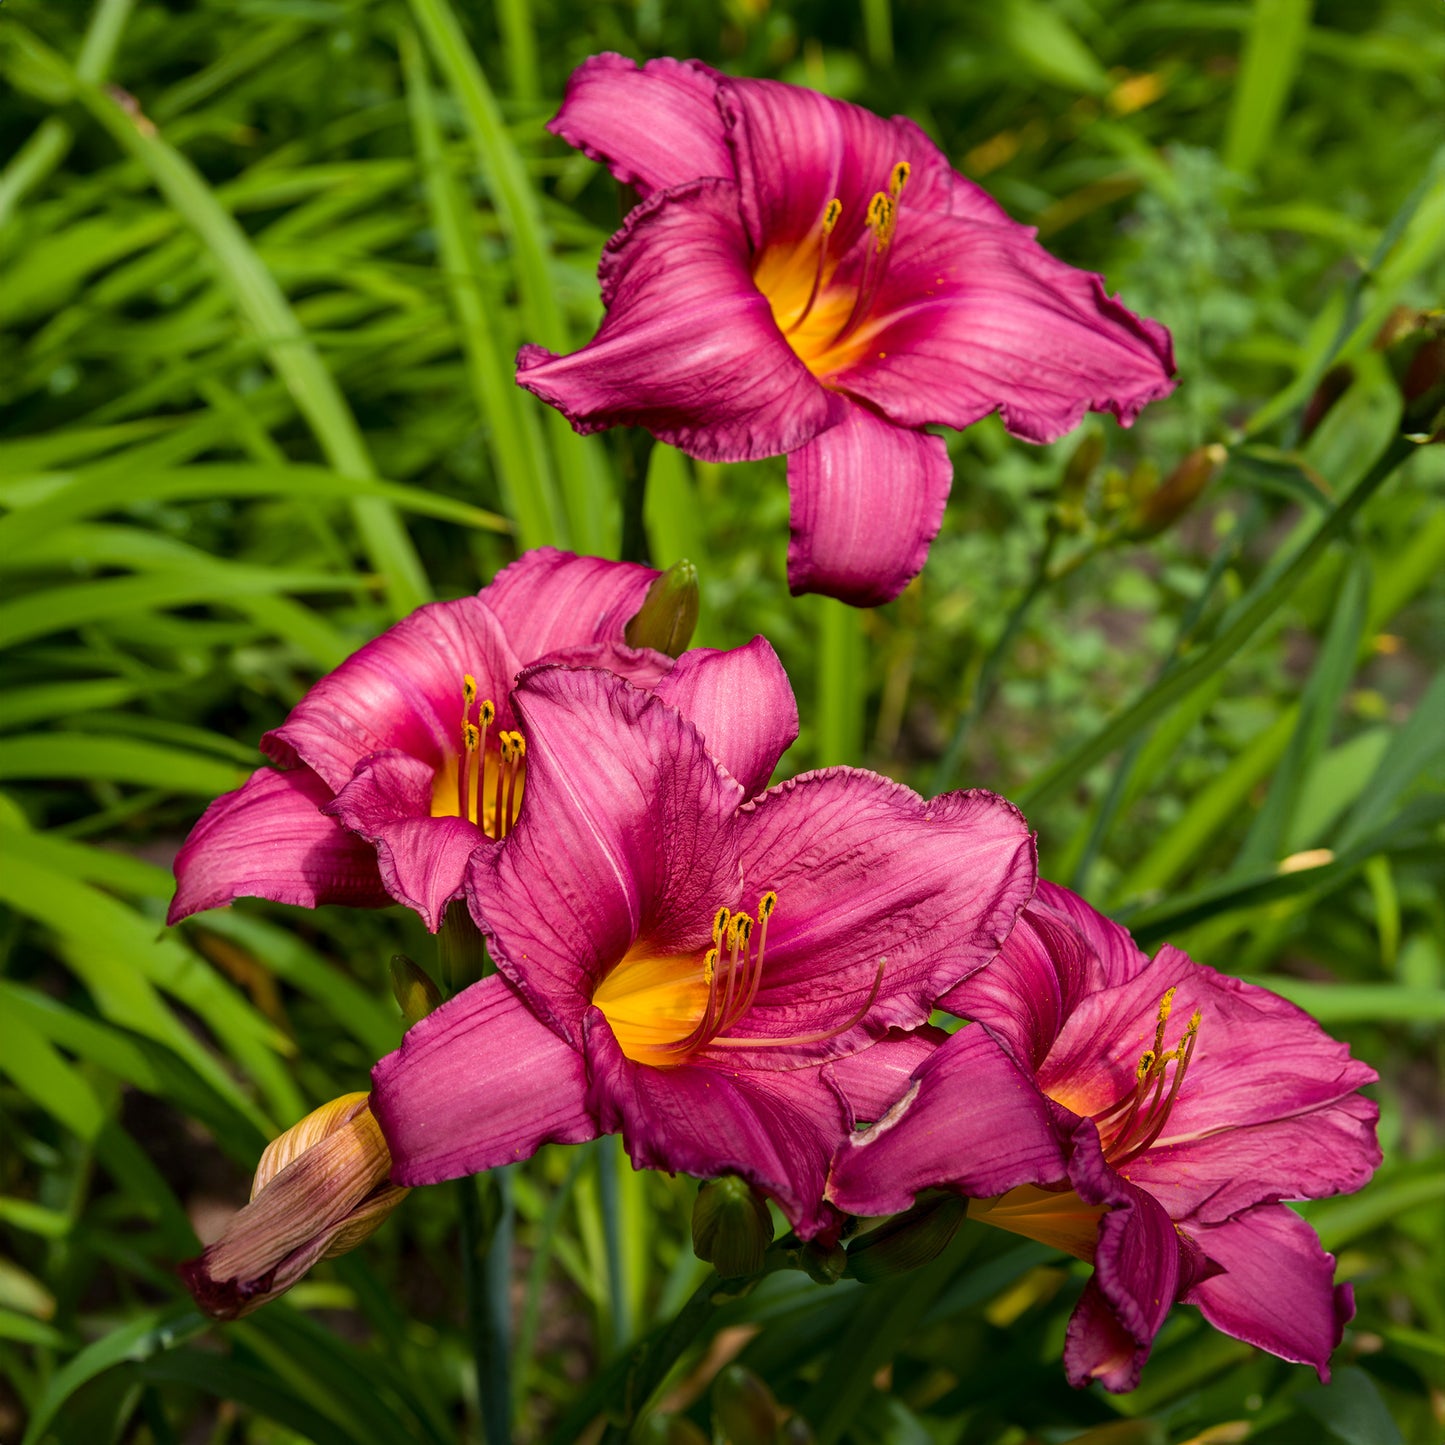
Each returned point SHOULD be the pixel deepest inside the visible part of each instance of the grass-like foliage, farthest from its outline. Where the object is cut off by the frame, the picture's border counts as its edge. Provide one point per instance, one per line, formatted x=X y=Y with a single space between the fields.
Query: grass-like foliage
x=264 y=265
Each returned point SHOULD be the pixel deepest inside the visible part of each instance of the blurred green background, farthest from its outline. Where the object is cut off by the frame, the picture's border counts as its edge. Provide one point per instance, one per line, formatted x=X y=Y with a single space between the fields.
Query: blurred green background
x=263 y=267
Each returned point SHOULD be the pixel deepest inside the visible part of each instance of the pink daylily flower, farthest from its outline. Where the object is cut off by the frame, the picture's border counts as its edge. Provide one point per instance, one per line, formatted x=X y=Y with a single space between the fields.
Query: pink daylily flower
x=805 y=277
x=1146 y=1115
x=683 y=965
x=397 y=765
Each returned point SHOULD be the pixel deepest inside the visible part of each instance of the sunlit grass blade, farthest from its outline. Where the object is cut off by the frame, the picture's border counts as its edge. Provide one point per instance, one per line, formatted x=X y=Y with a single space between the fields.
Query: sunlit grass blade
x=47 y=146
x=1317 y=714
x=1272 y=49
x=584 y=476
x=37 y=614
x=512 y=433
x=294 y=357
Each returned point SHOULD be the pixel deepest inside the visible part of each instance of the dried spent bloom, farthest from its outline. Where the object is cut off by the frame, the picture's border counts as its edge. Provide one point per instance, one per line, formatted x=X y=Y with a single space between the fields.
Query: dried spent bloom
x=321 y=1188
x=805 y=277
x=1146 y=1115
x=686 y=966
x=395 y=766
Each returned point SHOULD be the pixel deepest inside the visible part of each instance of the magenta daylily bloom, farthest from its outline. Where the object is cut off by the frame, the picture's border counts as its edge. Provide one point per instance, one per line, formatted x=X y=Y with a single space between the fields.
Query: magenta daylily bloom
x=685 y=965
x=1146 y=1115
x=398 y=764
x=805 y=277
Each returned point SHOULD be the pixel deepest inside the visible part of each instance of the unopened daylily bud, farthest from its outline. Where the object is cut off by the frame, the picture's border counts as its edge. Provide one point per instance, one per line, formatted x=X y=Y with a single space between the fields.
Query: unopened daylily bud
x=668 y=614
x=1176 y=493
x=320 y=1189
x=1333 y=385
x=416 y=995
x=670 y=1430
x=745 y=1408
x=731 y=1226
x=824 y=1263
x=907 y=1240
x=1414 y=346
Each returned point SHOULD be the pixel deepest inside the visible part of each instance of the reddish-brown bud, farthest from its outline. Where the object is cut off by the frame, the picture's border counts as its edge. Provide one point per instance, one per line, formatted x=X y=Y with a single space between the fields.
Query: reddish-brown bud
x=320 y=1189
x=1174 y=496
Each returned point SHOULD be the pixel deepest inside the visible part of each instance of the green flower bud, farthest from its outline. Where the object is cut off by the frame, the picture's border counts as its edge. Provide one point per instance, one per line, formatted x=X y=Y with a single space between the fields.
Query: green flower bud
x=668 y=614
x=744 y=1407
x=907 y=1240
x=824 y=1263
x=671 y=1430
x=416 y=995
x=731 y=1226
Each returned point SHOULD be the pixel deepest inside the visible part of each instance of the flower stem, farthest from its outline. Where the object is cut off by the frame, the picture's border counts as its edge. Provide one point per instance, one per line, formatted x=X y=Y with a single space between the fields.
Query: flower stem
x=987 y=682
x=634 y=452
x=486 y=1260
x=485 y=1215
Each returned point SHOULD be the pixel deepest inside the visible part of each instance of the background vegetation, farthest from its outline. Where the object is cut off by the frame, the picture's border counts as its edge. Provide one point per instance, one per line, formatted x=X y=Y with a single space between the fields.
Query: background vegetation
x=263 y=265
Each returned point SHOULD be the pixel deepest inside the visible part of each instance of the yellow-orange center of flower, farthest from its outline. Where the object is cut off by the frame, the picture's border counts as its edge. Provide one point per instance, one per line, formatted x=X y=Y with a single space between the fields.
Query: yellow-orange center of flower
x=822 y=306
x=1127 y=1127
x=664 y=1008
x=483 y=780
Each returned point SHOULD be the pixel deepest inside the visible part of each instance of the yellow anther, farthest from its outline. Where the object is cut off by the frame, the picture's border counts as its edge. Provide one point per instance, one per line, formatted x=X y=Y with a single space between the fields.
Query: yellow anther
x=469 y=689
x=488 y=713
x=1166 y=1004
x=720 y=923
x=831 y=215
x=882 y=215
x=1194 y=1021
x=743 y=927
x=709 y=965
x=898 y=178
x=470 y=736
x=1147 y=1060
x=766 y=904
x=519 y=746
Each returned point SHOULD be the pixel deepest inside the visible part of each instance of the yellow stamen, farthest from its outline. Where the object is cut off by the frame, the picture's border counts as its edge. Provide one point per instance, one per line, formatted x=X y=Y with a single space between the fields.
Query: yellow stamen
x=831 y=214
x=898 y=178
x=469 y=693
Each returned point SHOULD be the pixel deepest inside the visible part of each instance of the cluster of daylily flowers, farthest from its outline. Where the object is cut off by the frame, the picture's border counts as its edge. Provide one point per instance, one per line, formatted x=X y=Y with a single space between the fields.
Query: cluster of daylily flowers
x=745 y=980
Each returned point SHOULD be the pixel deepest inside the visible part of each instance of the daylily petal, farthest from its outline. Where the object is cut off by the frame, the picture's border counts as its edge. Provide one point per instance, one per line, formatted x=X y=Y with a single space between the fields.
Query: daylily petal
x=402 y=690
x=972 y=319
x=742 y=704
x=688 y=348
x=625 y=830
x=1028 y=991
x=777 y=1129
x=1116 y=958
x=423 y=860
x=641 y=666
x=652 y=126
x=478 y=1083
x=797 y=150
x=548 y=599
x=269 y=839
x=1277 y=1290
x=1258 y=1058
x=1329 y=1150
x=972 y=1121
x=874 y=1079
x=866 y=499
x=867 y=871
x=1136 y=1273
